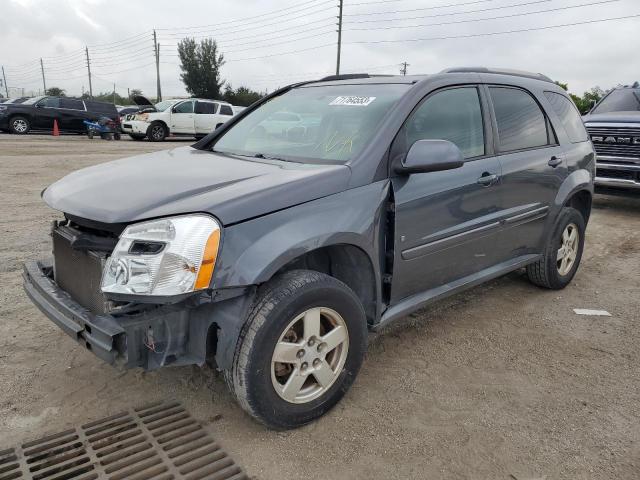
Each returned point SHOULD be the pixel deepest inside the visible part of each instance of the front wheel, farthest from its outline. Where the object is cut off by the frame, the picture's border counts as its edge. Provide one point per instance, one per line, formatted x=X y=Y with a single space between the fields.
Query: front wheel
x=19 y=125
x=300 y=349
x=562 y=253
x=157 y=132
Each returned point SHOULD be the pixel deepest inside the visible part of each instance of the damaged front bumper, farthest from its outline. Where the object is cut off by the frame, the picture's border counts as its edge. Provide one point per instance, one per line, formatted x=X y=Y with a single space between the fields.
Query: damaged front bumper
x=151 y=338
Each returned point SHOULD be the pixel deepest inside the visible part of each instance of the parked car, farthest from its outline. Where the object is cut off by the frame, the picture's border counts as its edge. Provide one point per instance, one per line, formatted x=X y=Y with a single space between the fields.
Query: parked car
x=40 y=113
x=273 y=257
x=193 y=117
x=614 y=127
x=18 y=100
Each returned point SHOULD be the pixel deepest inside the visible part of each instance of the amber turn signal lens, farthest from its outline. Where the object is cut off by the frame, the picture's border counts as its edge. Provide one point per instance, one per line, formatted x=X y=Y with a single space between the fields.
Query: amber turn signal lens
x=208 y=261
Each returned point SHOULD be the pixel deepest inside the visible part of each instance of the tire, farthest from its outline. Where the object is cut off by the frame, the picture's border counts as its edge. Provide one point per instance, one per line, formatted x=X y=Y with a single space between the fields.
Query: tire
x=137 y=137
x=90 y=134
x=157 y=132
x=551 y=271
x=19 y=125
x=281 y=309
x=116 y=136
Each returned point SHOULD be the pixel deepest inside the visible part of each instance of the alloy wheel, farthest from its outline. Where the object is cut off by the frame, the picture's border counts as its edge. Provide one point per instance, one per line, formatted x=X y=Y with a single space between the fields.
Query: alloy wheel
x=20 y=125
x=568 y=251
x=309 y=355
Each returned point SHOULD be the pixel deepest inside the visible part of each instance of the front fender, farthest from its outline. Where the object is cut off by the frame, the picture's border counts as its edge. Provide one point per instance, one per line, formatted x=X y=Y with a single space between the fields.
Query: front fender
x=253 y=251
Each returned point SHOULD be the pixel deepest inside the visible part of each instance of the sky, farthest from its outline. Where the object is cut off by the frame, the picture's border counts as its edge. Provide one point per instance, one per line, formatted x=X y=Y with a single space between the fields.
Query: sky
x=268 y=43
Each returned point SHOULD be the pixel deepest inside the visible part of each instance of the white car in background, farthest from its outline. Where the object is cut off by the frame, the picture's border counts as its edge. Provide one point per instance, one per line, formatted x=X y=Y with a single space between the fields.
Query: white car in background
x=192 y=117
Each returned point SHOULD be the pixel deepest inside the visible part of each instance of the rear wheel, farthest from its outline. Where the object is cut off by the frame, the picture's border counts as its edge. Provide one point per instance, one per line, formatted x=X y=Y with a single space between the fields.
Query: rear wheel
x=300 y=350
x=562 y=254
x=157 y=132
x=19 y=125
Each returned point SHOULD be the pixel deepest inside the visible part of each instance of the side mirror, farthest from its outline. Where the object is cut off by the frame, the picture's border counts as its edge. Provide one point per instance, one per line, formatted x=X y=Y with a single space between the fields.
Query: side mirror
x=431 y=156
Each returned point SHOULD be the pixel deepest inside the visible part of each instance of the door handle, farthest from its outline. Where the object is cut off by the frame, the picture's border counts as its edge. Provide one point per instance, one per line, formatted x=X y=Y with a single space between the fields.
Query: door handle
x=487 y=179
x=555 y=161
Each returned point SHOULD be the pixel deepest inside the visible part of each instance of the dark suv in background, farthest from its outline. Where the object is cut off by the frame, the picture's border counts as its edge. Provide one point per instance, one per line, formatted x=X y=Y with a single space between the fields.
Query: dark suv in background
x=40 y=113
x=614 y=128
x=272 y=251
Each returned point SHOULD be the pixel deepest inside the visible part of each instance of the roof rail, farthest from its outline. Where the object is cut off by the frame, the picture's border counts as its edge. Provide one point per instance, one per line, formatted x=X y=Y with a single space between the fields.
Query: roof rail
x=345 y=76
x=499 y=71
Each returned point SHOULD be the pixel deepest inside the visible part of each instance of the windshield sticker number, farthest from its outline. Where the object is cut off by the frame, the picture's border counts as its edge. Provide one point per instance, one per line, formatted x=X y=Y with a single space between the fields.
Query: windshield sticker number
x=353 y=101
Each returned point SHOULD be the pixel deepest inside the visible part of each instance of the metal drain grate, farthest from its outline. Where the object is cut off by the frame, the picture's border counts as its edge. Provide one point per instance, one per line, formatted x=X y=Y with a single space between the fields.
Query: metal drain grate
x=160 y=441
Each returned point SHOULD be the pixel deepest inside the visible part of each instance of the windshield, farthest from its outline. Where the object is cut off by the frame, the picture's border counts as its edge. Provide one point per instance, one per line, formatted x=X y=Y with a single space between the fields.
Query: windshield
x=31 y=101
x=322 y=124
x=622 y=100
x=162 y=106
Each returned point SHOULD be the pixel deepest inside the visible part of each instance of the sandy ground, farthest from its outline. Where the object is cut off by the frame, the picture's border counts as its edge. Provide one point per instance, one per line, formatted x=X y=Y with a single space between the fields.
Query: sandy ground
x=501 y=382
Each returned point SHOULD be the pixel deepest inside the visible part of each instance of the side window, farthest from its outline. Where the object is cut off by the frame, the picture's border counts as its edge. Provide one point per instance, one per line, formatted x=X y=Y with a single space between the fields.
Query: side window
x=50 y=102
x=521 y=123
x=71 y=103
x=184 y=107
x=453 y=115
x=205 y=108
x=225 y=110
x=569 y=116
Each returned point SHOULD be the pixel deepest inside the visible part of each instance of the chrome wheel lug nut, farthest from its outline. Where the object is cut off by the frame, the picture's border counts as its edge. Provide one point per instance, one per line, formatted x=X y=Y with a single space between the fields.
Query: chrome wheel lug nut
x=311 y=342
x=316 y=362
x=300 y=353
x=304 y=366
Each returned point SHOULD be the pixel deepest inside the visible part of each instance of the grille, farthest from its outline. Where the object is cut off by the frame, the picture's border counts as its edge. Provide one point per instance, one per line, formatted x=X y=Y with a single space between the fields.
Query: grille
x=78 y=273
x=621 y=174
x=616 y=149
x=159 y=441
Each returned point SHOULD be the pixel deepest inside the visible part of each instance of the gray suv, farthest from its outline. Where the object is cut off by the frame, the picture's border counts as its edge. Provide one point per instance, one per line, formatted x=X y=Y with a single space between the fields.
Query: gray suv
x=271 y=248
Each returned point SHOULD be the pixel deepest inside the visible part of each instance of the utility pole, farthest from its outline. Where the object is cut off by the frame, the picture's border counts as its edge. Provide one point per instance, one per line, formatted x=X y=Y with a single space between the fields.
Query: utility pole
x=44 y=84
x=6 y=87
x=339 y=38
x=156 y=47
x=403 y=67
x=114 y=93
x=86 y=49
x=128 y=93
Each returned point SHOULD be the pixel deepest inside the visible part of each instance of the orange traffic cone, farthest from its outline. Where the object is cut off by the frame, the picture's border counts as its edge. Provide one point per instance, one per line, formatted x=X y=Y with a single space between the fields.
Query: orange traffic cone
x=56 y=131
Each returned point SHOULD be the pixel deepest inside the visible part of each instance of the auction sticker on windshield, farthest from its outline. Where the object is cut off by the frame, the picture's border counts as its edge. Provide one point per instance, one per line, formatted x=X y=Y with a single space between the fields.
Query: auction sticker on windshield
x=353 y=101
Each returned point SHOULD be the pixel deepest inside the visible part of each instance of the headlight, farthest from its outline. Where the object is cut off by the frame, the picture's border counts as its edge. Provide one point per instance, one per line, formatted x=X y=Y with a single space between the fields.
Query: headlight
x=168 y=256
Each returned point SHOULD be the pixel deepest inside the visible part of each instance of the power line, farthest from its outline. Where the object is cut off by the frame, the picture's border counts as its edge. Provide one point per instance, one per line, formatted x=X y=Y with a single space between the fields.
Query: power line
x=486 y=34
x=522 y=14
x=450 y=14
x=259 y=17
x=434 y=7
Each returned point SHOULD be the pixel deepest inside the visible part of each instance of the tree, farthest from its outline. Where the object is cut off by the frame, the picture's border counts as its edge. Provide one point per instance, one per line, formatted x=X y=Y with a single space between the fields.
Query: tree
x=242 y=96
x=55 y=92
x=135 y=91
x=200 y=65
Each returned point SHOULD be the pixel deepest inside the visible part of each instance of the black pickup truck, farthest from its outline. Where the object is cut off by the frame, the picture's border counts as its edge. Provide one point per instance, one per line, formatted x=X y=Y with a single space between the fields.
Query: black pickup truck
x=39 y=114
x=614 y=128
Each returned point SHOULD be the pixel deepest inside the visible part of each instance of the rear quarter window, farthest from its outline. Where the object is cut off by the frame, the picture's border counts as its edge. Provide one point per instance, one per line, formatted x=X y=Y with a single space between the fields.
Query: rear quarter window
x=569 y=116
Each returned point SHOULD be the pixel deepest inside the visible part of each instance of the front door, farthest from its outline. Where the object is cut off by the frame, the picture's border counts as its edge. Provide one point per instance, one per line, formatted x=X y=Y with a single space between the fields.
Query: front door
x=182 y=118
x=46 y=111
x=446 y=222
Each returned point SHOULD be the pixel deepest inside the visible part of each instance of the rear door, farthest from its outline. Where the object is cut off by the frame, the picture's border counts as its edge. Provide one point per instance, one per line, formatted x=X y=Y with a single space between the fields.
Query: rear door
x=72 y=115
x=446 y=222
x=205 y=117
x=532 y=164
x=182 y=118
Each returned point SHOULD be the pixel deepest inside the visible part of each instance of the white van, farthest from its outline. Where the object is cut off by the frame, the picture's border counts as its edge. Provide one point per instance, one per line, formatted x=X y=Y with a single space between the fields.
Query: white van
x=192 y=117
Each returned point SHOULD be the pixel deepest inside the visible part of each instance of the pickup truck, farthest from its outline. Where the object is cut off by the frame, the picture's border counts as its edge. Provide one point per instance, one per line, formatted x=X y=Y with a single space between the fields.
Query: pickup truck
x=614 y=127
x=272 y=255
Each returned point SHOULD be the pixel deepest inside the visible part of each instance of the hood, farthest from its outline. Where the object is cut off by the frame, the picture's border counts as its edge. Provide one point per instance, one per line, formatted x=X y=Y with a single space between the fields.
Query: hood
x=186 y=180
x=613 y=117
x=141 y=101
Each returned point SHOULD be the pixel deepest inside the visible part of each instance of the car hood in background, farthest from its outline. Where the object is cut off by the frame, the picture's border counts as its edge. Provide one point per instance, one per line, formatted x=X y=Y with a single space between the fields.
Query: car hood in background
x=613 y=117
x=141 y=100
x=186 y=180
